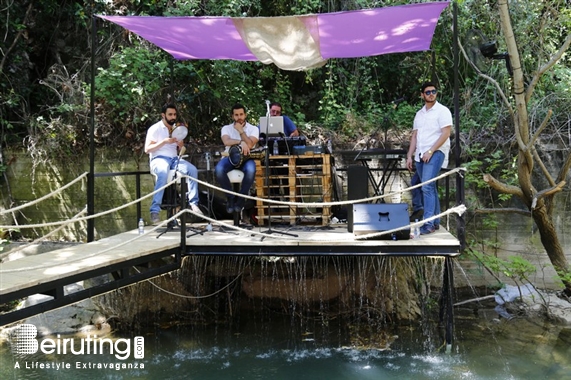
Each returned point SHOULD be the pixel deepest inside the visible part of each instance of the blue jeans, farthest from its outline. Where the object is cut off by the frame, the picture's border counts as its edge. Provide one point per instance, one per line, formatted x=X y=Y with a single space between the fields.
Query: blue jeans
x=224 y=167
x=160 y=167
x=427 y=171
x=416 y=193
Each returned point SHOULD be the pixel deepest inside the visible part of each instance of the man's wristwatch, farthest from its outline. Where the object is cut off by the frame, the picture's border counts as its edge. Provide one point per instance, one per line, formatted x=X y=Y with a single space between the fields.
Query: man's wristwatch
x=429 y=152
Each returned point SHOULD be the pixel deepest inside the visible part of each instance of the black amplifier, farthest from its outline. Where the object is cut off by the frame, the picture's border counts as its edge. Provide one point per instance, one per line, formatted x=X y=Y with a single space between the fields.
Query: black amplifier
x=286 y=144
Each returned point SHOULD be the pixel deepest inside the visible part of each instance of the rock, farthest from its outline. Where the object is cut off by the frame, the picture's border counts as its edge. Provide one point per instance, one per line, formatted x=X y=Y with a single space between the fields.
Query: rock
x=67 y=320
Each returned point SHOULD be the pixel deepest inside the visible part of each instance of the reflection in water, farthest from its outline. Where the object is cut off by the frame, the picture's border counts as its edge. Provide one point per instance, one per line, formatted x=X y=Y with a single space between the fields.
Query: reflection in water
x=313 y=318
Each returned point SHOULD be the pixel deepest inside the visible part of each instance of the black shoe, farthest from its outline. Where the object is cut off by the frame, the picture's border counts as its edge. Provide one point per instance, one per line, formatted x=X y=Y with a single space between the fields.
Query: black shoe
x=230 y=205
x=239 y=205
x=418 y=214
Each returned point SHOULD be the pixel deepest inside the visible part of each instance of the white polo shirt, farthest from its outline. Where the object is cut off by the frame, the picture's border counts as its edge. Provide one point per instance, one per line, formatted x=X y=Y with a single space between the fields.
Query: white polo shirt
x=429 y=124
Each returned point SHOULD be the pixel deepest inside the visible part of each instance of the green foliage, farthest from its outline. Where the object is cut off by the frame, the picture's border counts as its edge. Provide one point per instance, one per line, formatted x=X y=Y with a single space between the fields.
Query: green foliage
x=514 y=267
x=133 y=80
x=564 y=277
x=351 y=97
x=480 y=162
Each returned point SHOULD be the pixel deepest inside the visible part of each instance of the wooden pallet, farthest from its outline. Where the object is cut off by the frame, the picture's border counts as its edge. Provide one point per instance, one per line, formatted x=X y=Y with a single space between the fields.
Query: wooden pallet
x=296 y=178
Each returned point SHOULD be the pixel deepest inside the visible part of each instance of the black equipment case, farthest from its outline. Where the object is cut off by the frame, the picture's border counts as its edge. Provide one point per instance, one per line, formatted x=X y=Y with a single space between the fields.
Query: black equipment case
x=371 y=218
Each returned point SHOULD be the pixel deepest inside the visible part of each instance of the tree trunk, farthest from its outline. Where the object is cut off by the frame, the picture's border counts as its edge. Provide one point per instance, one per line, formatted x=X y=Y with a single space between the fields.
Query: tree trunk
x=542 y=217
x=550 y=241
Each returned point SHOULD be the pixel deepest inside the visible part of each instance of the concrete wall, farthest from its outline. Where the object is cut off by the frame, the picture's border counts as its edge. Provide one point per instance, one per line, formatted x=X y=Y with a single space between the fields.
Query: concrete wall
x=25 y=183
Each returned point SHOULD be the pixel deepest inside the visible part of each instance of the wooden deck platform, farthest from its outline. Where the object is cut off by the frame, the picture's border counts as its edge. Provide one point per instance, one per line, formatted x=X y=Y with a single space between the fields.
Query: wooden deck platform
x=316 y=240
x=128 y=258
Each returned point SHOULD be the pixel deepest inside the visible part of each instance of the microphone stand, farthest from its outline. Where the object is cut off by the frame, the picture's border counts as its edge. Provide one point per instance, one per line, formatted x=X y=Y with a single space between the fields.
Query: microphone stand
x=267 y=179
x=198 y=231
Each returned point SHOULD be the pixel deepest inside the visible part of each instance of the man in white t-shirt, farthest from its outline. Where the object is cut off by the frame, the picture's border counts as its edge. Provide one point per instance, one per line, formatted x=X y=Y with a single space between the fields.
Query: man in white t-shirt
x=429 y=147
x=242 y=133
x=163 y=151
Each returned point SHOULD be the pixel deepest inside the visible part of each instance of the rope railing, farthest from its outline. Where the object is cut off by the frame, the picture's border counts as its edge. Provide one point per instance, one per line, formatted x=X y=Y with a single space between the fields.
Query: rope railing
x=458 y=210
x=47 y=196
x=325 y=204
x=49 y=224
x=129 y=241
x=42 y=238
x=206 y=184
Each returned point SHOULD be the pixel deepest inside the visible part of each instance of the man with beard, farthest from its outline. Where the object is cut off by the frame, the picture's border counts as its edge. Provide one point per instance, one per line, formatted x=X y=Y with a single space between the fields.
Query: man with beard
x=429 y=147
x=163 y=151
x=246 y=135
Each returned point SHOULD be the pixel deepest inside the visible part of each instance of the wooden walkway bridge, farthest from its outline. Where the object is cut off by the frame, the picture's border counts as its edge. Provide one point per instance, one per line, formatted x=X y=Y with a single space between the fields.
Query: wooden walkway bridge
x=128 y=258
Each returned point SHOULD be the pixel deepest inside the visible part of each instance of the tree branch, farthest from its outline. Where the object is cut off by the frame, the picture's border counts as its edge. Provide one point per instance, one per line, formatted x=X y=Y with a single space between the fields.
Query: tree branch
x=554 y=59
x=564 y=169
x=502 y=187
x=540 y=129
x=547 y=192
x=489 y=79
x=520 y=112
x=542 y=166
x=15 y=39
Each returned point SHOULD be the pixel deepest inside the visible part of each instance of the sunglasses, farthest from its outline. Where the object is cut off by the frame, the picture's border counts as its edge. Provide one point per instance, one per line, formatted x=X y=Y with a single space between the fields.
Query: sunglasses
x=430 y=92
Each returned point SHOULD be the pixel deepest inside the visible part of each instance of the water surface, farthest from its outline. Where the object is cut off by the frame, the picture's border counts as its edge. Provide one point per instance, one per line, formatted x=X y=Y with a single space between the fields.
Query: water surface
x=485 y=347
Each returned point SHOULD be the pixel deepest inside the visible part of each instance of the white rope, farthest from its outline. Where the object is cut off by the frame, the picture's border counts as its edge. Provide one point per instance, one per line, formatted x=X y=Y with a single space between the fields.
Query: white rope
x=325 y=204
x=2 y=212
x=456 y=210
x=98 y=252
x=42 y=238
x=90 y=216
x=305 y=204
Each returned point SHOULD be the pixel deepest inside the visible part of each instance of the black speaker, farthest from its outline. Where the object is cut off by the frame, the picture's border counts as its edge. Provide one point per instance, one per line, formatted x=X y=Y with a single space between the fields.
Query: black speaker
x=357 y=188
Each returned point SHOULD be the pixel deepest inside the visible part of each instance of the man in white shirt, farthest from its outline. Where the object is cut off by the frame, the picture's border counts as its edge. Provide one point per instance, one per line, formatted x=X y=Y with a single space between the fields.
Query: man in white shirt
x=429 y=147
x=242 y=133
x=163 y=150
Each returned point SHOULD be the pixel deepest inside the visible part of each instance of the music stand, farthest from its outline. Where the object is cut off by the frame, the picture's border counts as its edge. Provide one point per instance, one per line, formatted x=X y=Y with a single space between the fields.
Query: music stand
x=267 y=181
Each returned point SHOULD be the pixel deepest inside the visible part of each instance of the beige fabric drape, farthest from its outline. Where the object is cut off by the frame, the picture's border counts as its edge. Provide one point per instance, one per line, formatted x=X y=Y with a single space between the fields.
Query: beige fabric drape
x=291 y=43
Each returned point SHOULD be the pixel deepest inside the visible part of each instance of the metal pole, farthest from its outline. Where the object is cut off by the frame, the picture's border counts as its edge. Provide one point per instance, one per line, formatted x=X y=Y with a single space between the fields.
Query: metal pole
x=460 y=199
x=447 y=292
x=91 y=176
x=183 y=203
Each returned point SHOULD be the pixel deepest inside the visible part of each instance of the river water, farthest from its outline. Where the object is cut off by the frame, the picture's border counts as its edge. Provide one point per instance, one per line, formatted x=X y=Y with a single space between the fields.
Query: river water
x=486 y=346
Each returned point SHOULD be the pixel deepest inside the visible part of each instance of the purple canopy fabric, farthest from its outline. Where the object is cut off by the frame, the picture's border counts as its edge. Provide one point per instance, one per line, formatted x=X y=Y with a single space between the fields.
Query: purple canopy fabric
x=292 y=42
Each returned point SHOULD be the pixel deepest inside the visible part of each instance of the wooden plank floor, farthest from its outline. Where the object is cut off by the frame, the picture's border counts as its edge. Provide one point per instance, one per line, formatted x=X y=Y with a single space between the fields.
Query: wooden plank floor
x=70 y=261
x=316 y=240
